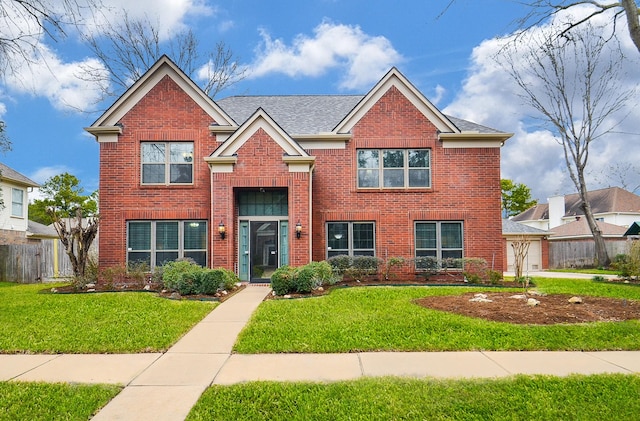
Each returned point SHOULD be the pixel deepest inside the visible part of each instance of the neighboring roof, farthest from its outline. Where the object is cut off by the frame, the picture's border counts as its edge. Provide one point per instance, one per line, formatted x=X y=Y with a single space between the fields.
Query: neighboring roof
x=612 y=199
x=534 y=213
x=580 y=228
x=510 y=227
x=36 y=229
x=609 y=200
x=311 y=114
x=634 y=229
x=10 y=174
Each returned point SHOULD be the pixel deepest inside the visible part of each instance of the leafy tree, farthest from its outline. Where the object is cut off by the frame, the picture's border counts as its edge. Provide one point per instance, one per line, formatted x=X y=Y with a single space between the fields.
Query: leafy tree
x=64 y=194
x=516 y=198
x=573 y=83
x=74 y=217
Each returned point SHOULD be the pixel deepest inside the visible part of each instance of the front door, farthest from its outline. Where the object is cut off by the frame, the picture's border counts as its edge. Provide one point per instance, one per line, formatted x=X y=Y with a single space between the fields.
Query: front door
x=263 y=249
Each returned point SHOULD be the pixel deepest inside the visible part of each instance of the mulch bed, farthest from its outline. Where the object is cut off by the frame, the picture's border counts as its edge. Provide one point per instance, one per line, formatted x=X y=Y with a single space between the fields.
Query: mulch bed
x=553 y=309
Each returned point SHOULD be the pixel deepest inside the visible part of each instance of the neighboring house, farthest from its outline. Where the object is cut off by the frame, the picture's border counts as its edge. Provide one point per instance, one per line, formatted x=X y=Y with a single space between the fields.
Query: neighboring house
x=252 y=183
x=538 y=253
x=634 y=231
x=612 y=205
x=14 y=215
x=571 y=245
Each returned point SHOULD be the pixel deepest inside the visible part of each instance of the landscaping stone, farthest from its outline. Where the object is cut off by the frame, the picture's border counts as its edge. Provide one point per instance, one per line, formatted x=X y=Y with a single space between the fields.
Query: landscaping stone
x=575 y=300
x=480 y=298
x=532 y=302
x=519 y=297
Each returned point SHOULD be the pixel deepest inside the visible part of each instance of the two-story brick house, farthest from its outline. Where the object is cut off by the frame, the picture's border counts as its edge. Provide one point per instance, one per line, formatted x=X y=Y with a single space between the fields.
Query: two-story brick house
x=251 y=183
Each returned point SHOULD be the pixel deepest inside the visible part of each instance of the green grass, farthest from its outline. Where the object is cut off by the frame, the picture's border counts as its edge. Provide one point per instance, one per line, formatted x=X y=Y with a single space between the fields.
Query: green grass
x=92 y=323
x=386 y=319
x=49 y=402
x=597 y=397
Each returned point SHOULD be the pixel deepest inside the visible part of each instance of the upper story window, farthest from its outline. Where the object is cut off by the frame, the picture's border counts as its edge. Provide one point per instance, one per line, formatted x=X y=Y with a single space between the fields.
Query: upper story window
x=167 y=162
x=17 y=203
x=394 y=168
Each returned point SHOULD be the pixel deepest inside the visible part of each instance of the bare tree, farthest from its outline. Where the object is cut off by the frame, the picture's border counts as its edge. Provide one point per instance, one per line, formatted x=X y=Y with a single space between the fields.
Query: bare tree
x=23 y=23
x=131 y=46
x=573 y=83
x=541 y=10
x=76 y=235
x=520 y=248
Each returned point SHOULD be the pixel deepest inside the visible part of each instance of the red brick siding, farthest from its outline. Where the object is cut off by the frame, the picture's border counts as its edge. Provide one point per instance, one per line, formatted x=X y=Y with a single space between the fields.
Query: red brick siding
x=465 y=183
x=166 y=113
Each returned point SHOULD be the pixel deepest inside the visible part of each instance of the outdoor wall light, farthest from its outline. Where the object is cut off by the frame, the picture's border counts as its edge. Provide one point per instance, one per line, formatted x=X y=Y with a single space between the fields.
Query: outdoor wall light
x=298 y=229
x=222 y=230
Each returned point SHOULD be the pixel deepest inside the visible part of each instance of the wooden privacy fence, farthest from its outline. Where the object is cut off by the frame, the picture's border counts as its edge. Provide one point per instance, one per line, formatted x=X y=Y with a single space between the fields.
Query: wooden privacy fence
x=577 y=254
x=31 y=263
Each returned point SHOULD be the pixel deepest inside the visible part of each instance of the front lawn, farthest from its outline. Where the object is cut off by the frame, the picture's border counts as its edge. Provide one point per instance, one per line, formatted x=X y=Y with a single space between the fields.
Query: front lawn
x=597 y=397
x=50 y=402
x=386 y=319
x=92 y=322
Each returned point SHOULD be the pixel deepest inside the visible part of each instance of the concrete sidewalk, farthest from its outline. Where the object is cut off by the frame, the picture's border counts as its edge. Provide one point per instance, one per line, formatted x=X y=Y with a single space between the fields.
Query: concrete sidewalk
x=166 y=386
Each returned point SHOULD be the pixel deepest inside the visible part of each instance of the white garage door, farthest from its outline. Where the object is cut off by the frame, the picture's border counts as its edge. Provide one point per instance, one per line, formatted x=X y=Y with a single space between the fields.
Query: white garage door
x=533 y=261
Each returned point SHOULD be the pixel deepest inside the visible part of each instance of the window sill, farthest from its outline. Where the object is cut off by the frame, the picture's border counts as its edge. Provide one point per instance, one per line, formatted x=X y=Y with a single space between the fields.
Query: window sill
x=396 y=190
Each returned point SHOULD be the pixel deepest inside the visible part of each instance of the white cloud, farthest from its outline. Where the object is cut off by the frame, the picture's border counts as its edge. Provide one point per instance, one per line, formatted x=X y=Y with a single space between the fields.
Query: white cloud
x=489 y=96
x=366 y=58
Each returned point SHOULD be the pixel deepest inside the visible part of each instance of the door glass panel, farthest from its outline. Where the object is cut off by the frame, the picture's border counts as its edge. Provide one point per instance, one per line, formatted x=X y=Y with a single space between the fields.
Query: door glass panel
x=264 y=248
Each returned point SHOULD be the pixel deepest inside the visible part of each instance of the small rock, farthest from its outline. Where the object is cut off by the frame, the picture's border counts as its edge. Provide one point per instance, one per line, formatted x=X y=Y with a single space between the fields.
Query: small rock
x=537 y=293
x=54 y=290
x=519 y=297
x=90 y=285
x=223 y=292
x=480 y=299
x=147 y=288
x=532 y=302
x=91 y=290
x=273 y=293
x=480 y=295
x=575 y=300
x=286 y=296
x=175 y=296
x=164 y=291
x=320 y=289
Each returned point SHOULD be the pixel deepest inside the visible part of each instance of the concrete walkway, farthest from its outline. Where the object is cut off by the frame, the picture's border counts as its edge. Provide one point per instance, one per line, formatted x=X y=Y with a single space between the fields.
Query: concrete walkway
x=166 y=386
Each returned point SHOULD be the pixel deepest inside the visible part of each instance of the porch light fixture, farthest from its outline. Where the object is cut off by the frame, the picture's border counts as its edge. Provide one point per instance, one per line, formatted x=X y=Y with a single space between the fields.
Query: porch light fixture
x=222 y=230
x=298 y=229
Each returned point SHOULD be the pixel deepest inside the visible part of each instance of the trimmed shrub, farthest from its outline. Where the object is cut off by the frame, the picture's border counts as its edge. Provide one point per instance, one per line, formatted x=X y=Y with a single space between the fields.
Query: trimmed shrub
x=282 y=280
x=362 y=266
x=304 y=279
x=323 y=273
x=340 y=264
x=181 y=276
x=229 y=279
x=209 y=281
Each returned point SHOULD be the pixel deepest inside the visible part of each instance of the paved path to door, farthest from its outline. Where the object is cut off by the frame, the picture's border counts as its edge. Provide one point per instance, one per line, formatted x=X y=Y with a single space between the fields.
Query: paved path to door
x=166 y=386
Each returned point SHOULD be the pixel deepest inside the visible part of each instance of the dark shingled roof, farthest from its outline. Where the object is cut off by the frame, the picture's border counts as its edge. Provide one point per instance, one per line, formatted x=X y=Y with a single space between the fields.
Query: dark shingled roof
x=7 y=173
x=310 y=114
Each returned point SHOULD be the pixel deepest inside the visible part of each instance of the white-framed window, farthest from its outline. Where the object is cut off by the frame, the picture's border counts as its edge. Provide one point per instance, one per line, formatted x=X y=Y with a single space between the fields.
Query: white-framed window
x=167 y=162
x=441 y=240
x=17 y=203
x=394 y=168
x=158 y=242
x=351 y=238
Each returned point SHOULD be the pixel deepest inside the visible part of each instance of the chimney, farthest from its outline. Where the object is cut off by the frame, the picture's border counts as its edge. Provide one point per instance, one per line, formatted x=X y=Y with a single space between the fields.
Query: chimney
x=556 y=211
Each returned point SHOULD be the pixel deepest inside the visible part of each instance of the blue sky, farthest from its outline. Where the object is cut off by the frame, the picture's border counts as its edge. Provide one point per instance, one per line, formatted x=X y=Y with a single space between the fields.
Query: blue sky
x=313 y=47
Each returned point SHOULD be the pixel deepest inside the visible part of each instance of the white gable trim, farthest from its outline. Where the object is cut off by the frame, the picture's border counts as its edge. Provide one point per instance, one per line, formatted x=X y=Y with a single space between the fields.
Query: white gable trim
x=391 y=79
x=163 y=67
x=259 y=120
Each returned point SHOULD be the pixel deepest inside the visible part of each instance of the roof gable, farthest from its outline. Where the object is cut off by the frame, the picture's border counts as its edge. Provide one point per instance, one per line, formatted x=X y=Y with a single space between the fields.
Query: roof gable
x=164 y=67
x=9 y=174
x=259 y=120
x=396 y=79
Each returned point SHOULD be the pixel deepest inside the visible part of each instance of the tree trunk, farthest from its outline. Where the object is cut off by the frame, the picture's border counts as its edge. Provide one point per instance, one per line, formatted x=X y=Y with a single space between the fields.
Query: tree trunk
x=633 y=20
x=601 y=257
